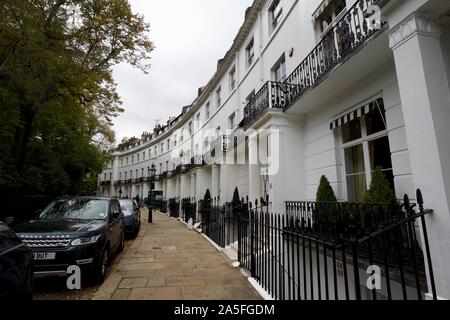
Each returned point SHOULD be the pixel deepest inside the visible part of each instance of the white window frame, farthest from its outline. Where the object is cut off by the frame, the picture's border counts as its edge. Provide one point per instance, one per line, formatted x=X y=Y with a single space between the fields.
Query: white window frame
x=250 y=52
x=281 y=62
x=364 y=141
x=233 y=78
x=232 y=120
x=334 y=19
x=219 y=97
x=274 y=17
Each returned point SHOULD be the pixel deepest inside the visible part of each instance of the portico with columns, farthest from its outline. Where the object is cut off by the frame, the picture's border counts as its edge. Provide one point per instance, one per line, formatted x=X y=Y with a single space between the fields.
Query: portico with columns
x=416 y=41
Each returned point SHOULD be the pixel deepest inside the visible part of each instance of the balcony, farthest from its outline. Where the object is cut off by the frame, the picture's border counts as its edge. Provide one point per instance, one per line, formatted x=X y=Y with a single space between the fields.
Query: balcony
x=185 y=168
x=197 y=161
x=273 y=95
x=348 y=35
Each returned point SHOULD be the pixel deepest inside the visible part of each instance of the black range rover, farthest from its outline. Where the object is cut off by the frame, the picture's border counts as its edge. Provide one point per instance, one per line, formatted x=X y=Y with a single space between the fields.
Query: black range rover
x=79 y=231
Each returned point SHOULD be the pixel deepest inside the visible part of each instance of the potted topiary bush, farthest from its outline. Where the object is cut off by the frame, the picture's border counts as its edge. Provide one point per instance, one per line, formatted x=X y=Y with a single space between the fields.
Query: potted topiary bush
x=236 y=198
x=324 y=213
x=236 y=204
x=207 y=199
x=381 y=193
x=325 y=192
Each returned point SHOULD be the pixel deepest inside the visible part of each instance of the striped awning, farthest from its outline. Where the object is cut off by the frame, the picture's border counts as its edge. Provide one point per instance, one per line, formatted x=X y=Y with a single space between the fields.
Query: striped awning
x=355 y=114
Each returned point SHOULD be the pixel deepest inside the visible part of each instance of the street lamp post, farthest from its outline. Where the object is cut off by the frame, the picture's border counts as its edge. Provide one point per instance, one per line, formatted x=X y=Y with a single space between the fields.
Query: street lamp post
x=152 y=172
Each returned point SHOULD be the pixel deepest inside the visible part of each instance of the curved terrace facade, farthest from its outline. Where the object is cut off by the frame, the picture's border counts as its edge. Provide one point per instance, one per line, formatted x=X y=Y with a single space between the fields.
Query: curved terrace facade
x=312 y=88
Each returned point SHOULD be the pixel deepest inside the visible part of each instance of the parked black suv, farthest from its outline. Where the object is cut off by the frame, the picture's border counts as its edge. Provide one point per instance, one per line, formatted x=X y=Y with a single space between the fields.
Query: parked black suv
x=16 y=266
x=83 y=231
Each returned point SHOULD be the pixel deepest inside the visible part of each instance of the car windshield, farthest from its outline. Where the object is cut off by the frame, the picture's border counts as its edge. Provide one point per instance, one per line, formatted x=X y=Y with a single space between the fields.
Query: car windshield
x=126 y=205
x=79 y=209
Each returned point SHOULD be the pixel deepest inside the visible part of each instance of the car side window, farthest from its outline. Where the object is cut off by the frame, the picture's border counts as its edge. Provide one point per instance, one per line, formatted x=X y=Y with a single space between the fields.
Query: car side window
x=115 y=210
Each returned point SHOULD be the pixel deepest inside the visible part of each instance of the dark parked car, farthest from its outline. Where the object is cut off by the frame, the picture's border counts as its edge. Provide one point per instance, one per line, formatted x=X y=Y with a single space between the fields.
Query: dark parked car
x=132 y=217
x=16 y=266
x=83 y=231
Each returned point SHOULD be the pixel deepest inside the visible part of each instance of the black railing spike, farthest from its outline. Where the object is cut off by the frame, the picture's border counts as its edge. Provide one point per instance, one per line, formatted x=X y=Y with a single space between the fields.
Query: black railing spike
x=407 y=204
x=420 y=201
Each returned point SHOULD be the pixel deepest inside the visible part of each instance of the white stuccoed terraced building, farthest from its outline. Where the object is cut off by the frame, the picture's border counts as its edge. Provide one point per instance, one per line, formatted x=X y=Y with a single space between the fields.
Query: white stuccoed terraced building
x=312 y=88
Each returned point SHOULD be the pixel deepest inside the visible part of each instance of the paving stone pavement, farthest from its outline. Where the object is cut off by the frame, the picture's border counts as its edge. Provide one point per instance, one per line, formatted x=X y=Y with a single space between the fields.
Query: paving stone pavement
x=169 y=262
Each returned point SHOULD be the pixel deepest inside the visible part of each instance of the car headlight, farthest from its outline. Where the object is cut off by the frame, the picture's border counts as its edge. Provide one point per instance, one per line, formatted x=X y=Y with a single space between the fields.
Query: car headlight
x=85 y=241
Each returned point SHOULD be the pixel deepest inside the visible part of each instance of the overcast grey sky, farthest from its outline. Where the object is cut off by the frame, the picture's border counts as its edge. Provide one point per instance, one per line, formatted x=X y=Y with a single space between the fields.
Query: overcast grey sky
x=190 y=36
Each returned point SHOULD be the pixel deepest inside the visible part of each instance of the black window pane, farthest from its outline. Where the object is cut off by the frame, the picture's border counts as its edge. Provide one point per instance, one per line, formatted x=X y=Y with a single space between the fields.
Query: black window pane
x=339 y=6
x=351 y=131
x=380 y=154
x=376 y=119
x=389 y=174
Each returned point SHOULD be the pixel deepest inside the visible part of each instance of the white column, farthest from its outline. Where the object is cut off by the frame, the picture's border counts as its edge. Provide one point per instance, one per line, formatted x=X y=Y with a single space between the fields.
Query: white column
x=425 y=101
x=202 y=183
x=164 y=184
x=215 y=181
x=193 y=191
x=145 y=190
x=254 y=173
x=185 y=186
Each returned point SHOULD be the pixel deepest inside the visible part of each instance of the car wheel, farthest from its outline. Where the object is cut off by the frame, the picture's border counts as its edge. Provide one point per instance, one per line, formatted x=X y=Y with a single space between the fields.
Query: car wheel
x=136 y=230
x=122 y=243
x=102 y=267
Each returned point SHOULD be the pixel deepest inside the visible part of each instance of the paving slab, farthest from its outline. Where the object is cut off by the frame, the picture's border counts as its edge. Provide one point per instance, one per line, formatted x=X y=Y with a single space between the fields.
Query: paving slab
x=169 y=262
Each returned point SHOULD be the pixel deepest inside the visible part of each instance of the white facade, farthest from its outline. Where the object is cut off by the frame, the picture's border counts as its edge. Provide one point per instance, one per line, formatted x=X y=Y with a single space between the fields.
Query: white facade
x=400 y=74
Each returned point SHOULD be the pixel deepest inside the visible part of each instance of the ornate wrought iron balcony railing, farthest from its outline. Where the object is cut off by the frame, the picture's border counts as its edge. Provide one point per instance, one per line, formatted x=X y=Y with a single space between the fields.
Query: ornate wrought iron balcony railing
x=348 y=34
x=345 y=37
x=271 y=96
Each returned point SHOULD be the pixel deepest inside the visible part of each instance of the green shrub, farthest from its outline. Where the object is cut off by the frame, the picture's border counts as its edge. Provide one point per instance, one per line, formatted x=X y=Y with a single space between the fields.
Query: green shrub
x=325 y=192
x=236 y=198
x=207 y=196
x=380 y=190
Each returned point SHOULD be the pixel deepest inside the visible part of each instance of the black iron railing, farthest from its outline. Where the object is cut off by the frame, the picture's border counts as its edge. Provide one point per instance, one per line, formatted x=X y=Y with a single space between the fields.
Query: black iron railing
x=174 y=208
x=273 y=95
x=347 y=35
x=163 y=206
x=384 y=259
x=220 y=222
x=189 y=209
x=339 y=219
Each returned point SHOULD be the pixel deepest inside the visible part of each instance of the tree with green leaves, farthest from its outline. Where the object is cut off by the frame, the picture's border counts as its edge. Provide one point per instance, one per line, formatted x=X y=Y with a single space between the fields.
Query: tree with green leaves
x=57 y=93
x=325 y=192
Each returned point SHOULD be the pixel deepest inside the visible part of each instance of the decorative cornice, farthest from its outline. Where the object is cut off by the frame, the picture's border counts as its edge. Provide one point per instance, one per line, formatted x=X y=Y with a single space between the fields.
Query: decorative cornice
x=410 y=26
